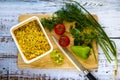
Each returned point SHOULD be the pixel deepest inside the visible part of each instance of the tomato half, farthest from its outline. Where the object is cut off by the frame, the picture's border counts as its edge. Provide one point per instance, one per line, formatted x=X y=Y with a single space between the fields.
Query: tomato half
x=59 y=29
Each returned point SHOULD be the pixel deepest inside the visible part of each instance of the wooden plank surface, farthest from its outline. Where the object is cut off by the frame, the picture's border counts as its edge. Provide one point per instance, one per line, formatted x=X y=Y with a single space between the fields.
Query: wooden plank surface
x=46 y=62
x=108 y=13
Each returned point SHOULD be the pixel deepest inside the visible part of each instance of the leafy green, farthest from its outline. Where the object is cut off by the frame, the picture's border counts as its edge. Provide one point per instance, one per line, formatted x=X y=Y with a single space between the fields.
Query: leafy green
x=49 y=23
x=103 y=40
x=86 y=30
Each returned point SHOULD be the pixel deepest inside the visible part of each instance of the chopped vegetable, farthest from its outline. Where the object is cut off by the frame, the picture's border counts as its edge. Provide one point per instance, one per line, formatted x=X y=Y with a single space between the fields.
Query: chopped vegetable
x=57 y=57
x=81 y=51
x=59 y=29
x=64 y=41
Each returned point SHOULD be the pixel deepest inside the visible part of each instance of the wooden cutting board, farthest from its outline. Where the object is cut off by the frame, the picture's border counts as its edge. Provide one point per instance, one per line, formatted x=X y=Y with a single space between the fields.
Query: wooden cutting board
x=46 y=62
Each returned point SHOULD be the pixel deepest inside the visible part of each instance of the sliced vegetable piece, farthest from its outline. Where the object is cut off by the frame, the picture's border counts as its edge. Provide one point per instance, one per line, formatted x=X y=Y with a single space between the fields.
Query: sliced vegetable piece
x=57 y=57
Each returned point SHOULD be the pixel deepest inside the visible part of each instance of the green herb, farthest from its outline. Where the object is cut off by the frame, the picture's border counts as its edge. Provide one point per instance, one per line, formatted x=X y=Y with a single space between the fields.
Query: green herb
x=77 y=35
x=74 y=12
x=103 y=40
x=50 y=23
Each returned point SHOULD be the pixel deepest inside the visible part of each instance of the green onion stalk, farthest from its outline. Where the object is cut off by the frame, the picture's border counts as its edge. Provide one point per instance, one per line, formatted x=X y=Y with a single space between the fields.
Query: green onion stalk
x=74 y=12
x=107 y=45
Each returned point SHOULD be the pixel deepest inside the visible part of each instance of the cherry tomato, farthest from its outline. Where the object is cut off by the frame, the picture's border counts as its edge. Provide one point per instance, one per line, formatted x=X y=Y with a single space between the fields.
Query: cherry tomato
x=64 y=41
x=59 y=29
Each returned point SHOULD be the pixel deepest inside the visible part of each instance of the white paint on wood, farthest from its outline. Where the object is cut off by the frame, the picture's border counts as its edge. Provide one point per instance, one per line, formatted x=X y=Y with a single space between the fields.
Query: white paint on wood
x=108 y=13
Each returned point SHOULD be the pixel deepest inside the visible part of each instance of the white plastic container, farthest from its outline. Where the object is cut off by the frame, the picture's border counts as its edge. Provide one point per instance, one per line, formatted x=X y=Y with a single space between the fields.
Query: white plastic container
x=19 y=46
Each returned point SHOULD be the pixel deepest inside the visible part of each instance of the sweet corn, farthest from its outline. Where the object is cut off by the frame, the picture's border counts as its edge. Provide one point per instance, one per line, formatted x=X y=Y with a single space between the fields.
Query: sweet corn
x=31 y=40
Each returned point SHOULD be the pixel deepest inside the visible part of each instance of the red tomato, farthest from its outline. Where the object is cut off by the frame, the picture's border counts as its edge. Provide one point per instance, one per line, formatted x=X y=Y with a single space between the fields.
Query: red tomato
x=59 y=29
x=64 y=41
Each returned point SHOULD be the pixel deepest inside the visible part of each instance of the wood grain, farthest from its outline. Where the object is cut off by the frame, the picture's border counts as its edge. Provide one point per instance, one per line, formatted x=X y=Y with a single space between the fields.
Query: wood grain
x=46 y=61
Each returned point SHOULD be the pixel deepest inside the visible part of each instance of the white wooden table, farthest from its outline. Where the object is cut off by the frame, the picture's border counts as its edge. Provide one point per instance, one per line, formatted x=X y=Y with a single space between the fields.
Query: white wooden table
x=108 y=12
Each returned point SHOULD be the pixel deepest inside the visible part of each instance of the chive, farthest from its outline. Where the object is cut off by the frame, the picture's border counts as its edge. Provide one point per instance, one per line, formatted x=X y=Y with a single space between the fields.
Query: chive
x=74 y=12
x=98 y=27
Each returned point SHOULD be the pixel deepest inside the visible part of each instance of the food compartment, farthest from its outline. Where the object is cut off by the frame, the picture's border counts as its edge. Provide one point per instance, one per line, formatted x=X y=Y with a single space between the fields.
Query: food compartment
x=31 y=39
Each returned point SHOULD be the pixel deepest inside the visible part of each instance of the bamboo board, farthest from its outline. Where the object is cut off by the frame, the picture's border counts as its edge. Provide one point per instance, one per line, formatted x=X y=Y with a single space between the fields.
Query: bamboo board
x=46 y=62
